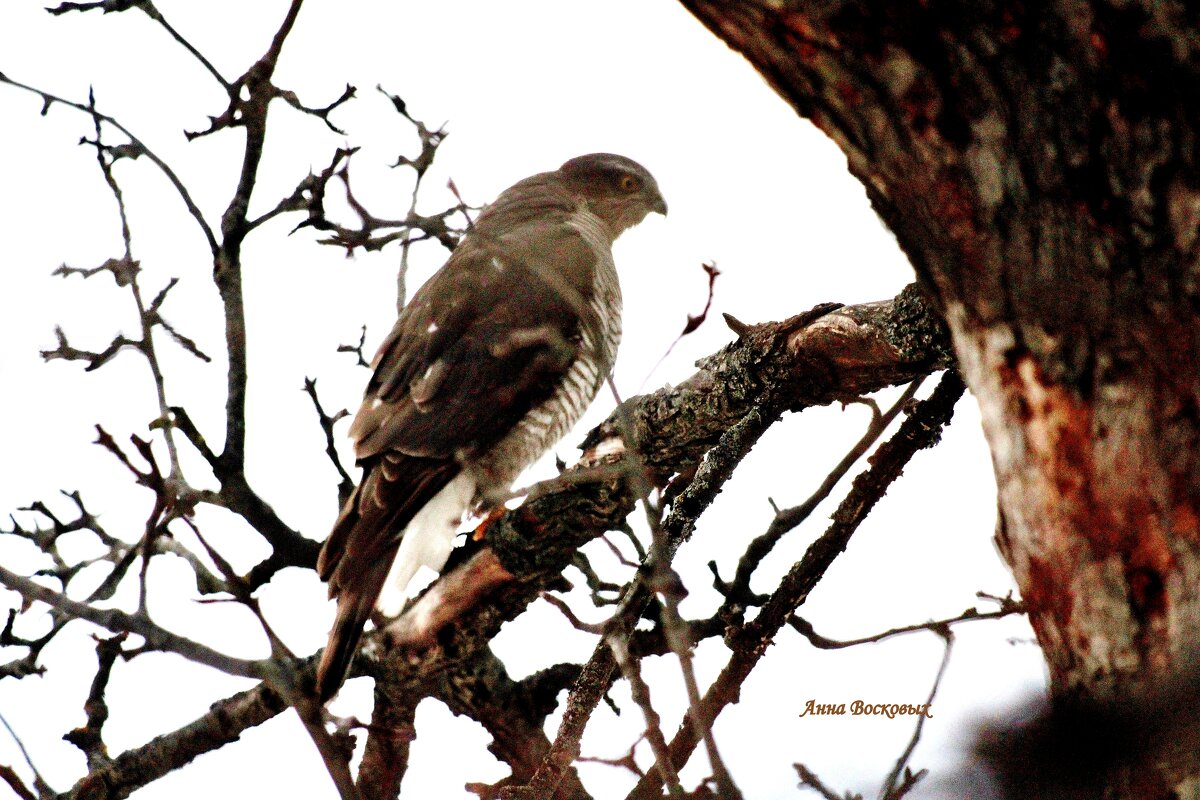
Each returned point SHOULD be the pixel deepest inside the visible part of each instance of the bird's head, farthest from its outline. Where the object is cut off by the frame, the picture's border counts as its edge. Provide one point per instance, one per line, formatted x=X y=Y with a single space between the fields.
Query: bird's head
x=618 y=190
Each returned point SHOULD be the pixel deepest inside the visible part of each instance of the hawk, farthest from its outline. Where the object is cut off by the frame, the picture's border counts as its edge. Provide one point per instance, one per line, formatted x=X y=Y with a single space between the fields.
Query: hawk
x=492 y=361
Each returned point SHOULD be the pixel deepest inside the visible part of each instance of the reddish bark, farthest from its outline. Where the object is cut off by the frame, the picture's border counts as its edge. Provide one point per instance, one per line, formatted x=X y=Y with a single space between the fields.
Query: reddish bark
x=1038 y=164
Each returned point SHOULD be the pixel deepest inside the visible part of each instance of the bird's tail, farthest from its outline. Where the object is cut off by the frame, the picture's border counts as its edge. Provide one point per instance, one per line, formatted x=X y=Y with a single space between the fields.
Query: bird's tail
x=352 y=614
x=355 y=597
x=357 y=557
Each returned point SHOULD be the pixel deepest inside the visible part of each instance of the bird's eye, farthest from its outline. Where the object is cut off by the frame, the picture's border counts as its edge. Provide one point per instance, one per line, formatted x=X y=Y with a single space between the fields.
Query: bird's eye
x=628 y=183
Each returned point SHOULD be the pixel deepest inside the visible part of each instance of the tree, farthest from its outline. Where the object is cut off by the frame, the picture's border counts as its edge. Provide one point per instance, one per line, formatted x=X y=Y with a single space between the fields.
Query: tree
x=681 y=444
x=1038 y=164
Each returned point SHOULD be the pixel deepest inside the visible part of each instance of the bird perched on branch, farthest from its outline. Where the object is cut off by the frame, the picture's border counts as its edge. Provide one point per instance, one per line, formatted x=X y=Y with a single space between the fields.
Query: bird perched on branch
x=493 y=360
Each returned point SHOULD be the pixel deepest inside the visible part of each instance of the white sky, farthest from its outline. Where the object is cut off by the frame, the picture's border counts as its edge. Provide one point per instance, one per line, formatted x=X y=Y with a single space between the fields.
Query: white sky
x=523 y=86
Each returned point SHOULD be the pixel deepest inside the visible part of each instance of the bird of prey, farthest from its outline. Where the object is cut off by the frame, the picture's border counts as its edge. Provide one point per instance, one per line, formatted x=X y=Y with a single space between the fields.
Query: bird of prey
x=492 y=361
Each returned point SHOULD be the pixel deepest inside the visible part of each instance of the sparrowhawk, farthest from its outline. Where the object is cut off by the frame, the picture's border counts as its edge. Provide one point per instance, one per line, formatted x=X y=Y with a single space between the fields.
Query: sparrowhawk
x=492 y=361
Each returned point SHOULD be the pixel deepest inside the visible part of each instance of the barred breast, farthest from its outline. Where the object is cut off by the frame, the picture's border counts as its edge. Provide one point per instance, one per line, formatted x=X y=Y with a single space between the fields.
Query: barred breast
x=548 y=422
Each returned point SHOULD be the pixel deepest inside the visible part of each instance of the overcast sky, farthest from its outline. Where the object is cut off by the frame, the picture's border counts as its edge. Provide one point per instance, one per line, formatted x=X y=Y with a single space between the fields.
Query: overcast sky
x=521 y=86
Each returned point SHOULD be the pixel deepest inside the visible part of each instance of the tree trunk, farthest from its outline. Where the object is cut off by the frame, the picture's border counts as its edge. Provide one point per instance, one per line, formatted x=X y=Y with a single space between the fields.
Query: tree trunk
x=1038 y=164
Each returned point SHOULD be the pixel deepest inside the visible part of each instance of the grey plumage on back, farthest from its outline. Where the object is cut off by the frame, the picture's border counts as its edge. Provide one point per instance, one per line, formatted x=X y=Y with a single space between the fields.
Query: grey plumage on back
x=493 y=360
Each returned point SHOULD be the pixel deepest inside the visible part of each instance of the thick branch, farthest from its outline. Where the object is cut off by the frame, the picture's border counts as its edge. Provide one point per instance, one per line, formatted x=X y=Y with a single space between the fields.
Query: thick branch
x=788 y=365
x=224 y=723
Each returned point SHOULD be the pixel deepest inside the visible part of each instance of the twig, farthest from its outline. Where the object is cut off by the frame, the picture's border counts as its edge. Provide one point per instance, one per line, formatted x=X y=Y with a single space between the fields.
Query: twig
x=183 y=423
x=809 y=779
x=678 y=636
x=39 y=783
x=430 y=140
x=616 y=551
x=604 y=593
x=146 y=317
x=193 y=210
x=151 y=11
x=640 y=691
x=346 y=484
x=309 y=195
x=27 y=664
x=1008 y=608
x=357 y=349
x=576 y=623
x=118 y=621
x=694 y=321
x=786 y=520
x=90 y=738
x=626 y=761
x=322 y=112
x=9 y=776
x=891 y=790
x=373 y=232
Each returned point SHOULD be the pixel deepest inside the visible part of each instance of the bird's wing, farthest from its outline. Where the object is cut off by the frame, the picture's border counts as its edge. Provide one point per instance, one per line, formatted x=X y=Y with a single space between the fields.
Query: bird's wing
x=486 y=340
x=482 y=343
x=476 y=349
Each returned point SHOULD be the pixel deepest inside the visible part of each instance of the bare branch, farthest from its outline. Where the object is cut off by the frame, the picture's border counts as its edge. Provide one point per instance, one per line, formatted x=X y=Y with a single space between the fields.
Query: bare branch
x=346 y=485
x=10 y=777
x=1008 y=607
x=385 y=759
x=808 y=778
x=107 y=6
x=249 y=97
x=694 y=321
x=626 y=761
x=322 y=113
x=225 y=722
x=148 y=317
x=186 y=342
x=151 y=11
x=640 y=691
x=118 y=621
x=598 y=672
x=90 y=737
x=27 y=664
x=357 y=349
x=901 y=779
x=193 y=210
x=576 y=622
x=922 y=429
x=678 y=635
x=309 y=195
x=430 y=141
x=95 y=359
x=738 y=592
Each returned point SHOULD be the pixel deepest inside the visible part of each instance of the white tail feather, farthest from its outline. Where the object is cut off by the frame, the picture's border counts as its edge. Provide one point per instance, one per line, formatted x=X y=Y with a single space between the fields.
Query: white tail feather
x=427 y=540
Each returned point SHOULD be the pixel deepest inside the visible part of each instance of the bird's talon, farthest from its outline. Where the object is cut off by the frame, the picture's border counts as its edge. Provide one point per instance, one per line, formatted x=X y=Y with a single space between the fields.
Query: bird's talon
x=480 y=532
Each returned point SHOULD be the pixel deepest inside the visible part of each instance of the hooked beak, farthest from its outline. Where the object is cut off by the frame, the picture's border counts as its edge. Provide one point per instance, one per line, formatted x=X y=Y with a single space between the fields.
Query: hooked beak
x=659 y=205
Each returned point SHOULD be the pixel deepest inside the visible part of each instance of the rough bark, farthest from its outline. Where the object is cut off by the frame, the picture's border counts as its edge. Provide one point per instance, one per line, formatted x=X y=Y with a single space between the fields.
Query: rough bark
x=1038 y=164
